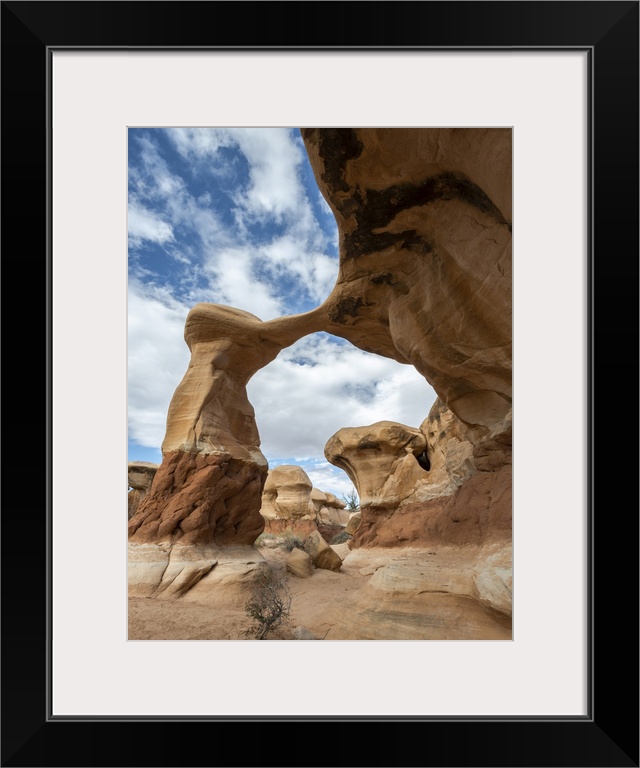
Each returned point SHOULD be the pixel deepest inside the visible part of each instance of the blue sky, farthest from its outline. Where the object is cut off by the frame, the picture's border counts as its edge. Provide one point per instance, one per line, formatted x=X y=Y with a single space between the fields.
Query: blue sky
x=234 y=216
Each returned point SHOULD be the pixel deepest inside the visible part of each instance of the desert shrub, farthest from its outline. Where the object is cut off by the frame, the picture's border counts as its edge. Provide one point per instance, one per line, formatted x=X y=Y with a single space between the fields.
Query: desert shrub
x=351 y=500
x=340 y=538
x=292 y=541
x=269 y=604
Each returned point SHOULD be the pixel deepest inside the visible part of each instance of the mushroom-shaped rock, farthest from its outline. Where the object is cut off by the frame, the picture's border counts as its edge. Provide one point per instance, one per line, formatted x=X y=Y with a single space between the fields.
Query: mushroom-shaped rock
x=287 y=494
x=140 y=477
x=382 y=460
x=322 y=555
x=299 y=563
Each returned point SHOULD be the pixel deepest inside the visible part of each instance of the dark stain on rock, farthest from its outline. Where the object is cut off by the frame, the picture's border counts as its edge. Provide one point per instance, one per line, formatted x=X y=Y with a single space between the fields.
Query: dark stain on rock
x=375 y=209
x=345 y=308
x=367 y=443
x=336 y=147
x=385 y=204
x=385 y=279
x=363 y=240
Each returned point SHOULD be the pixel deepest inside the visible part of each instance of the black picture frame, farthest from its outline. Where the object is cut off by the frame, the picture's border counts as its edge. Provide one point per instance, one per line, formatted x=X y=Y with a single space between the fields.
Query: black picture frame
x=608 y=735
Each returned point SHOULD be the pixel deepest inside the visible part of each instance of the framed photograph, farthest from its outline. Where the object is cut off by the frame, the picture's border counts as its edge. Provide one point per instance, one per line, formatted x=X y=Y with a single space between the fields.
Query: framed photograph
x=562 y=80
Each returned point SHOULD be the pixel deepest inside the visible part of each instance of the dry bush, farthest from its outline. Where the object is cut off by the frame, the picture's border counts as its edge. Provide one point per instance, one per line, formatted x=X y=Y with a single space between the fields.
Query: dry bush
x=269 y=604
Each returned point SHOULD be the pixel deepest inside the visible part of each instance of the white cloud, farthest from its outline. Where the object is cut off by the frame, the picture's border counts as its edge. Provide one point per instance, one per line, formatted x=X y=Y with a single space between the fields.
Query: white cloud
x=292 y=256
x=198 y=142
x=319 y=385
x=326 y=477
x=152 y=178
x=275 y=194
x=274 y=159
x=231 y=276
x=146 y=225
x=157 y=359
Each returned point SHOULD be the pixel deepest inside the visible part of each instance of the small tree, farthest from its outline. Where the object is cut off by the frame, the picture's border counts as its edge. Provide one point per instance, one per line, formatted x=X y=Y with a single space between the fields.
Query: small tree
x=269 y=604
x=351 y=500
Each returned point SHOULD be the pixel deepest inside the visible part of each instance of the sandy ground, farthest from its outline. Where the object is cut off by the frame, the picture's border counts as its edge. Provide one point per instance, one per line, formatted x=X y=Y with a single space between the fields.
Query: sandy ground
x=151 y=619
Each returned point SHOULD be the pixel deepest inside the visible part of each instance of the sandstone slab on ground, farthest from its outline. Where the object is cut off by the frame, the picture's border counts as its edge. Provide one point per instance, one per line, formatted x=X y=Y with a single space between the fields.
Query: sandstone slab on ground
x=299 y=563
x=322 y=555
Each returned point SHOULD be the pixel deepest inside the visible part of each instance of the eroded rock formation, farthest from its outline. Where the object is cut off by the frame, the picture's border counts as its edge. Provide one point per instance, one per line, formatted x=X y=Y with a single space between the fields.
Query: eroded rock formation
x=140 y=475
x=382 y=461
x=206 y=495
x=299 y=563
x=290 y=502
x=451 y=482
x=287 y=494
x=425 y=254
x=321 y=554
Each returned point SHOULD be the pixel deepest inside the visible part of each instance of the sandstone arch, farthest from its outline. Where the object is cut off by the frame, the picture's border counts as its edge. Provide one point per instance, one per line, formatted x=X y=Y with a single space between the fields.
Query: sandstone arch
x=424 y=220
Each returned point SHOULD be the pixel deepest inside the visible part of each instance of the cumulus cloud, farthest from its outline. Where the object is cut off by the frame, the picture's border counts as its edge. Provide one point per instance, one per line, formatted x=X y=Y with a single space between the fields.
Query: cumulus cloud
x=320 y=385
x=157 y=359
x=273 y=158
x=146 y=225
x=232 y=275
x=326 y=477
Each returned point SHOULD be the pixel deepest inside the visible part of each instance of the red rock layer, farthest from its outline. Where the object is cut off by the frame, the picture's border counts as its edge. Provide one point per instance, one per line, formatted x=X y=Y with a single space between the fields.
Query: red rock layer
x=201 y=498
x=295 y=526
x=479 y=512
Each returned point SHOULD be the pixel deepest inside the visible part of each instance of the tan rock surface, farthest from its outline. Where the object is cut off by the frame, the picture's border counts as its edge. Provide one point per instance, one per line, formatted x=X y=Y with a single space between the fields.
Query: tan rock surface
x=322 y=555
x=380 y=594
x=301 y=527
x=381 y=461
x=456 y=491
x=287 y=494
x=299 y=563
x=208 y=488
x=191 y=572
x=479 y=512
x=354 y=521
x=329 y=509
x=420 y=594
